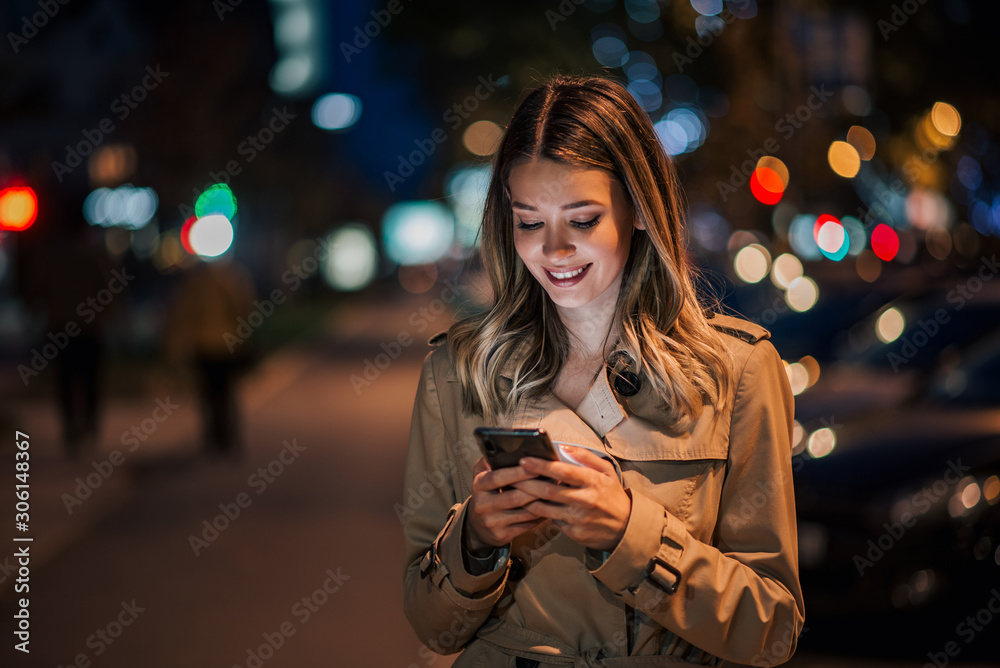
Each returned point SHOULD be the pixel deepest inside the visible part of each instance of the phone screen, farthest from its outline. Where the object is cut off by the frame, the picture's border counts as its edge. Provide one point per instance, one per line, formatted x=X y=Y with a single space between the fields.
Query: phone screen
x=506 y=447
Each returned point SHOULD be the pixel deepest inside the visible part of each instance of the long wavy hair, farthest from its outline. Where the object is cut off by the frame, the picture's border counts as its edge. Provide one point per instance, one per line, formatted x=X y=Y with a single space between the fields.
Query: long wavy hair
x=590 y=122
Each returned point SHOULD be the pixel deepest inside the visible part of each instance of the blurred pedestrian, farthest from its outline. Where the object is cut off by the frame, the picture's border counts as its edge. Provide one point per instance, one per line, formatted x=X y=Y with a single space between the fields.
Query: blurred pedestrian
x=72 y=286
x=673 y=534
x=211 y=299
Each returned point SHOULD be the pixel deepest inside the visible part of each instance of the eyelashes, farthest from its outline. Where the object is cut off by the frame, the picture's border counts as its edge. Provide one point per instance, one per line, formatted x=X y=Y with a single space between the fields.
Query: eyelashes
x=583 y=225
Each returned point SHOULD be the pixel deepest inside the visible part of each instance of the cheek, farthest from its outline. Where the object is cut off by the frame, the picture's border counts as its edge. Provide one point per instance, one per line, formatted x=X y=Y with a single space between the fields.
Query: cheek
x=522 y=247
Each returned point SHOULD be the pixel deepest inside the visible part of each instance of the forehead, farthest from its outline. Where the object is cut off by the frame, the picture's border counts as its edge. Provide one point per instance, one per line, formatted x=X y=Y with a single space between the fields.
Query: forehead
x=539 y=182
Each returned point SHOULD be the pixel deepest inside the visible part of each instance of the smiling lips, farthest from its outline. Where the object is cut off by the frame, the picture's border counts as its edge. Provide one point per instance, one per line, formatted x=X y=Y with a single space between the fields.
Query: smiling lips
x=567 y=277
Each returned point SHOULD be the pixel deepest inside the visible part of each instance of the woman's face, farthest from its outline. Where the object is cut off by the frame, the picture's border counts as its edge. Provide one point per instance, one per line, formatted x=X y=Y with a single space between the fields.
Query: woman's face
x=572 y=229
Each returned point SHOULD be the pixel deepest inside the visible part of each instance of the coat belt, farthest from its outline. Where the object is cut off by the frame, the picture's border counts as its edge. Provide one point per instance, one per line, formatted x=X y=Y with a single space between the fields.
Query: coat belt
x=518 y=641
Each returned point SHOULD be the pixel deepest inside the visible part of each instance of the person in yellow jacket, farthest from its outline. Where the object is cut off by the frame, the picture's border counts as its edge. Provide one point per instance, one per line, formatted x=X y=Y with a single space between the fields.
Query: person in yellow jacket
x=675 y=541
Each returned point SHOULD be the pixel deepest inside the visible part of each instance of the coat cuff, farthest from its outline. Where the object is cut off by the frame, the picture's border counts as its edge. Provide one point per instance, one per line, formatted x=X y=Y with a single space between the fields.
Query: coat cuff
x=651 y=532
x=451 y=553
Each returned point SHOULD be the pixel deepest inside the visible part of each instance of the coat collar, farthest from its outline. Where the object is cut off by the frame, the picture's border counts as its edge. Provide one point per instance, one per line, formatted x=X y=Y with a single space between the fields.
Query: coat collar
x=637 y=428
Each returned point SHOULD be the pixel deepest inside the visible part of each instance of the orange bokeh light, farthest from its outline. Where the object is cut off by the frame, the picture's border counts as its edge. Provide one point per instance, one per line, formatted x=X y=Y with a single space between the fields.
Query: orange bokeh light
x=18 y=208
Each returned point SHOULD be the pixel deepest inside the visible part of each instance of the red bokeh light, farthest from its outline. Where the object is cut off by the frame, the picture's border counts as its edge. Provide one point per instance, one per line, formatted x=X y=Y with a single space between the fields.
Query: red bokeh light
x=766 y=185
x=885 y=242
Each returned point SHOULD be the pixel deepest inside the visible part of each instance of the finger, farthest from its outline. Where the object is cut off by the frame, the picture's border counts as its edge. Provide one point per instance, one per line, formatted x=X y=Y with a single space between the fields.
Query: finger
x=548 y=510
x=510 y=499
x=480 y=466
x=561 y=471
x=589 y=459
x=543 y=489
x=504 y=477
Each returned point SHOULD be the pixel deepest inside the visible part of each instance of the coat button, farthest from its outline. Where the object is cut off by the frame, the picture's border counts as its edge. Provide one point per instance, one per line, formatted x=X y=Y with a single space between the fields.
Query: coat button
x=517 y=569
x=627 y=384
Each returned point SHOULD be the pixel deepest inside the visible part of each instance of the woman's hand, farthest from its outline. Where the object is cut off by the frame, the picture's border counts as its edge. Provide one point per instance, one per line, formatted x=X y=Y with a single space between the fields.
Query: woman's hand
x=589 y=505
x=494 y=518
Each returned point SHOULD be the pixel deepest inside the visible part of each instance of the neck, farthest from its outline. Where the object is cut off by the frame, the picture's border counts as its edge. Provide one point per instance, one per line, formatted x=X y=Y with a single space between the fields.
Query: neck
x=592 y=328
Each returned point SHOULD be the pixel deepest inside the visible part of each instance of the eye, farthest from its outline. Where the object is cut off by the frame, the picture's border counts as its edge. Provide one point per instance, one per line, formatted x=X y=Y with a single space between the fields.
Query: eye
x=521 y=225
x=585 y=224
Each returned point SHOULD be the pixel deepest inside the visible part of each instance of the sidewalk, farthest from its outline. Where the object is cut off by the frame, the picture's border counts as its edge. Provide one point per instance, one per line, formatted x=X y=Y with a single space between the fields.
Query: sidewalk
x=69 y=498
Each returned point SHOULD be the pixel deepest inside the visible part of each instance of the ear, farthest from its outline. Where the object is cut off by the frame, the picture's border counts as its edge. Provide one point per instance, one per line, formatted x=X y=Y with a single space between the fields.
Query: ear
x=638 y=224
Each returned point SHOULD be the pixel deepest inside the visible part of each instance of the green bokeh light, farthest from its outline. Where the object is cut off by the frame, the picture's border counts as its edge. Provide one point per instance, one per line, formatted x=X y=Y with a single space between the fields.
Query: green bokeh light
x=216 y=199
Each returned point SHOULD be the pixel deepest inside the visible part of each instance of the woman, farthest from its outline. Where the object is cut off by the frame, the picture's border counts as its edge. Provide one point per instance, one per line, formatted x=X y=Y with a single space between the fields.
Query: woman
x=597 y=336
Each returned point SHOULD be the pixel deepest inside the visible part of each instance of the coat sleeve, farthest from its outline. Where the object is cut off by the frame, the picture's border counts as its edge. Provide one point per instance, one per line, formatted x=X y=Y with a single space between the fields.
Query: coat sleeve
x=740 y=598
x=443 y=601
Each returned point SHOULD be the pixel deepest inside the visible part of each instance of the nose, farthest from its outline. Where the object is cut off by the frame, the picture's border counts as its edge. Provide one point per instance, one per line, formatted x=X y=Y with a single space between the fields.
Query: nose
x=557 y=245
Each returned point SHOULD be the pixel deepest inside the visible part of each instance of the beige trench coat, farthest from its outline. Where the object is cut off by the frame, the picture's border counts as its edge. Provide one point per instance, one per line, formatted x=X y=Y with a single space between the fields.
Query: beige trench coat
x=706 y=572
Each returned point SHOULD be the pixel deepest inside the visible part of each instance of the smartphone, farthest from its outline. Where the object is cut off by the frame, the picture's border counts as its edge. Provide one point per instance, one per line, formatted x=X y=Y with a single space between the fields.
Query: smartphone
x=506 y=447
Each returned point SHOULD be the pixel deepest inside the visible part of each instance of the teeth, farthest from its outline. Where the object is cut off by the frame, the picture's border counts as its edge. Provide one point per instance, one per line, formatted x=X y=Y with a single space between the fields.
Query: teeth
x=568 y=274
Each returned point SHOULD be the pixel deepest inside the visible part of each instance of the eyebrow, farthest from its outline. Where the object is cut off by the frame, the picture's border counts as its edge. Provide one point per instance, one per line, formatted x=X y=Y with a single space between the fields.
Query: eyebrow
x=574 y=205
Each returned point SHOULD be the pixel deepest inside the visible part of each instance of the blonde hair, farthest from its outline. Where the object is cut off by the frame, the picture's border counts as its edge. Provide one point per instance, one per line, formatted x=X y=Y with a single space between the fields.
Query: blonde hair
x=590 y=122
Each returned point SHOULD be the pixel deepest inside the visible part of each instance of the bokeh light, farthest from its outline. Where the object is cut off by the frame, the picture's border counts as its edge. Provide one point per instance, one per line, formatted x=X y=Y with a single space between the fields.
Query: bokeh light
x=938 y=241
x=785 y=269
x=766 y=184
x=125 y=206
x=802 y=294
x=466 y=187
x=811 y=366
x=890 y=325
x=862 y=140
x=336 y=111
x=868 y=266
x=217 y=199
x=822 y=442
x=802 y=237
x=752 y=263
x=707 y=7
x=351 y=258
x=418 y=278
x=832 y=240
x=211 y=235
x=798 y=378
x=946 y=119
x=844 y=159
x=18 y=208
x=482 y=137
x=419 y=232
x=885 y=242
x=682 y=130
x=857 y=236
